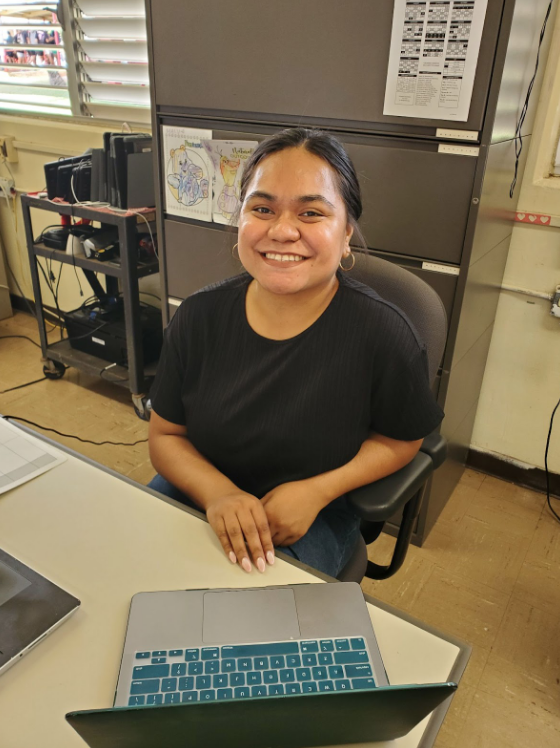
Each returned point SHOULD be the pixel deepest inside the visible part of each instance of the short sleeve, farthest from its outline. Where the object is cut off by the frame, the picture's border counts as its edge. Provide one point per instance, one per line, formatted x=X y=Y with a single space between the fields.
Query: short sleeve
x=402 y=403
x=166 y=391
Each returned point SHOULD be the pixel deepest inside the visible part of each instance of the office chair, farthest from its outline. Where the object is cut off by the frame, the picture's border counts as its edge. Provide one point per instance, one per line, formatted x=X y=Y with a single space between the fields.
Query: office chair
x=403 y=490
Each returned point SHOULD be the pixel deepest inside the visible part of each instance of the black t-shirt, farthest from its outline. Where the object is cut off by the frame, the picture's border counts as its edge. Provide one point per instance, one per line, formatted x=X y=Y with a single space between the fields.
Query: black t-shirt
x=265 y=412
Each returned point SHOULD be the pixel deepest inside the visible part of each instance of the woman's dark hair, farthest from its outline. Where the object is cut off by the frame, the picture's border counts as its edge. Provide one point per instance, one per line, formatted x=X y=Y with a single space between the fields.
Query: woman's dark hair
x=320 y=144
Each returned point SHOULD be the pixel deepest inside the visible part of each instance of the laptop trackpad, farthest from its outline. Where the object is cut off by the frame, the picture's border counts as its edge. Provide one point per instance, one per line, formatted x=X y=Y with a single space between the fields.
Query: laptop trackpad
x=237 y=616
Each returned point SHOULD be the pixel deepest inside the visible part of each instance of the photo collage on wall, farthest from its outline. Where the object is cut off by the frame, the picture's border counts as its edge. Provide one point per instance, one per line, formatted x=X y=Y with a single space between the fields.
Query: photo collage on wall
x=202 y=176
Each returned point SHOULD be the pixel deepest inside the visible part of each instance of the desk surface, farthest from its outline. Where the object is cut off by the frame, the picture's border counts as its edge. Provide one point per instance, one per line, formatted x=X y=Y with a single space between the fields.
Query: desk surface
x=104 y=538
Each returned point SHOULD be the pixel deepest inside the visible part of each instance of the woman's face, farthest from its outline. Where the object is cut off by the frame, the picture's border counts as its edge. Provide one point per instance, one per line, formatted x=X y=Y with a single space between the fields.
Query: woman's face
x=293 y=227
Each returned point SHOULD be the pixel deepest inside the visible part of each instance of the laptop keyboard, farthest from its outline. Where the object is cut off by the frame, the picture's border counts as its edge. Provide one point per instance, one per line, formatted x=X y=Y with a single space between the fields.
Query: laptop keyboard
x=241 y=671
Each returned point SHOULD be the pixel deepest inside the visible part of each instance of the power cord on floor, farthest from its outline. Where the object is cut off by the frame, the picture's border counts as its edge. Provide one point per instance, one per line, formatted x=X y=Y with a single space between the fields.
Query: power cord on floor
x=21 y=386
x=23 y=337
x=73 y=436
x=546 y=462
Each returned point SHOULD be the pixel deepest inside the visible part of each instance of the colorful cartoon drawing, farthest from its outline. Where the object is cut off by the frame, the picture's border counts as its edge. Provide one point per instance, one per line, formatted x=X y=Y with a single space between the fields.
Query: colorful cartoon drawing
x=186 y=176
x=228 y=199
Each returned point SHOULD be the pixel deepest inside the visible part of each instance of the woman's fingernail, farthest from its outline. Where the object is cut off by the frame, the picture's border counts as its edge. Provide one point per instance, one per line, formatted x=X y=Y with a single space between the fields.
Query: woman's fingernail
x=270 y=557
x=232 y=557
x=261 y=566
x=246 y=564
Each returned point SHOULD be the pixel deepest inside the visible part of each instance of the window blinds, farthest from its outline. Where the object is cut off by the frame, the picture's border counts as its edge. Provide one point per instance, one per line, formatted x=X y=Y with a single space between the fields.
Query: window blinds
x=112 y=58
x=33 y=70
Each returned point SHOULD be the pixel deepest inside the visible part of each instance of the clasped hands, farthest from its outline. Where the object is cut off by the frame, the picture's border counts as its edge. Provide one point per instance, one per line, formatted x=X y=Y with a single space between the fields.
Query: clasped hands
x=249 y=528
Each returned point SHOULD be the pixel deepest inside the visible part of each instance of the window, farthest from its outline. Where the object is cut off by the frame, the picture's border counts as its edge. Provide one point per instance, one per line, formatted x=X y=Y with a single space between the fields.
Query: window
x=33 y=67
x=75 y=57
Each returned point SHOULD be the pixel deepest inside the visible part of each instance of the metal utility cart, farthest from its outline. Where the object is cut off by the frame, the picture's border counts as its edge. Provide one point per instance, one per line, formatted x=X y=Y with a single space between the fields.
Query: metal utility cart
x=127 y=268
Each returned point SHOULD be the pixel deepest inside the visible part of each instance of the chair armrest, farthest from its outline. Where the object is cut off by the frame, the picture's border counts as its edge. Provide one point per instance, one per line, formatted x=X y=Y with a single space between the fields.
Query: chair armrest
x=378 y=501
x=435 y=445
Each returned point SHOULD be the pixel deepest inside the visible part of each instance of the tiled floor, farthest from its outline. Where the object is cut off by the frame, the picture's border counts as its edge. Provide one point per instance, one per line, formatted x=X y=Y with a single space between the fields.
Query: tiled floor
x=488 y=573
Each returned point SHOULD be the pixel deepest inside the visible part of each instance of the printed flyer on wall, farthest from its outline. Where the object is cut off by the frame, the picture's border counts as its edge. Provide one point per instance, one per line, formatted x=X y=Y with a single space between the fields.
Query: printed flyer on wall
x=228 y=158
x=187 y=173
x=433 y=57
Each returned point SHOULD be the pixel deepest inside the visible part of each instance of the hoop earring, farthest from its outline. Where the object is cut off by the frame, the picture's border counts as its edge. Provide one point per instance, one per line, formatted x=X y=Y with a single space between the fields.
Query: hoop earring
x=235 y=256
x=351 y=266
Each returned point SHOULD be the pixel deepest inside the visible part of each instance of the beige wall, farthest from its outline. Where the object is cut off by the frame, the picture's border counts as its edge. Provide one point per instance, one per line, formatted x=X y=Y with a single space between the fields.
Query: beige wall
x=43 y=140
x=522 y=379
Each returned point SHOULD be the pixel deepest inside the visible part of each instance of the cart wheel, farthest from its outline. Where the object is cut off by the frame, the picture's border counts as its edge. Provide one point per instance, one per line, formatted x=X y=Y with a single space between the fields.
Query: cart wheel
x=54 y=370
x=142 y=407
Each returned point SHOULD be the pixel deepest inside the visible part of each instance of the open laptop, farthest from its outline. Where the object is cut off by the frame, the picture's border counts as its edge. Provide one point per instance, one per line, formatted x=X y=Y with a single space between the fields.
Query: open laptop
x=285 y=666
x=30 y=608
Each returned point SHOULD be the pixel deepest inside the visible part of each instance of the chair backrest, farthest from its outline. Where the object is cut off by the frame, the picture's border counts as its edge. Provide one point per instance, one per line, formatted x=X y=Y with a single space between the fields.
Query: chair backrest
x=412 y=295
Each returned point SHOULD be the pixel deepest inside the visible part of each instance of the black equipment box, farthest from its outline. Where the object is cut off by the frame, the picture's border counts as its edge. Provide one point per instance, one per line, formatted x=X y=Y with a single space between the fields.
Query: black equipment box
x=99 y=329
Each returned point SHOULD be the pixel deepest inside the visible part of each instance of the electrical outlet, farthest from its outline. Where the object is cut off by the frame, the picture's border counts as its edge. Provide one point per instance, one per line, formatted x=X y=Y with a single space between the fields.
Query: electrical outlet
x=6 y=186
x=555 y=309
x=7 y=149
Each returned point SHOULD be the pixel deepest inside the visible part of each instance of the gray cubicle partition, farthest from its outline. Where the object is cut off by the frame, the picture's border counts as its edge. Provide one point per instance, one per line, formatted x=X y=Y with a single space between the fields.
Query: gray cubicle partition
x=250 y=68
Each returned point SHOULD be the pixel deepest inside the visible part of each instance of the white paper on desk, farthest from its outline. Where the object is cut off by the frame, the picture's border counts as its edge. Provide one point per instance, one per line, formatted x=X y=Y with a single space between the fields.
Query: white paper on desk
x=187 y=173
x=22 y=457
x=433 y=57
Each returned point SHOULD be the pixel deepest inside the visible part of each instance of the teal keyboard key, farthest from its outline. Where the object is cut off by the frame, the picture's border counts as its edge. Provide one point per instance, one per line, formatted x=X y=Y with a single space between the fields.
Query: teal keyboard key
x=186 y=684
x=350 y=658
x=277 y=661
x=220 y=681
x=142 y=655
x=327 y=645
x=175 y=652
x=319 y=673
x=260 y=650
x=293 y=661
x=287 y=676
x=358 y=643
x=277 y=690
x=209 y=653
x=191 y=655
x=342 y=685
x=341 y=645
x=309 y=660
x=154 y=699
x=293 y=688
x=228 y=666
x=144 y=686
x=158 y=660
x=172 y=698
x=245 y=663
x=136 y=700
x=307 y=647
x=254 y=679
x=361 y=683
x=309 y=687
x=270 y=676
x=203 y=681
x=179 y=669
x=258 y=691
x=261 y=663
x=326 y=685
x=160 y=653
x=224 y=693
x=242 y=692
x=303 y=673
x=195 y=668
x=325 y=658
x=237 y=679
x=189 y=696
x=358 y=671
x=337 y=671
x=150 y=671
x=211 y=667
x=169 y=684
x=209 y=695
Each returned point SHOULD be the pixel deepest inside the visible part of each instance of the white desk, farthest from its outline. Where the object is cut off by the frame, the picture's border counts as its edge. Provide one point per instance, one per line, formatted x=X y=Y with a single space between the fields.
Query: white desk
x=104 y=538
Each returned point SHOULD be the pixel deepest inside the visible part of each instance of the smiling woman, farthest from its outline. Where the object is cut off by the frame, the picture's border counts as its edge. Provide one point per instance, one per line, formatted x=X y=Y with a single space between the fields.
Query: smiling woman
x=282 y=389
